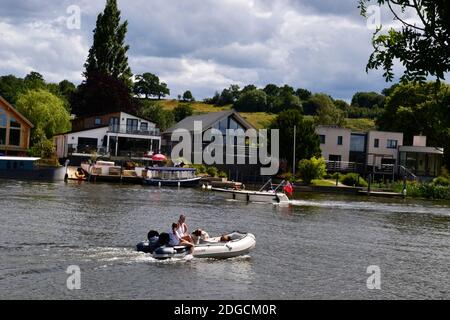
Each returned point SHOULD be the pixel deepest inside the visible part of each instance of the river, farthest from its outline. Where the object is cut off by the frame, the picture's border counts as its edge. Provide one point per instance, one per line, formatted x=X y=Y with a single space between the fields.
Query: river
x=317 y=248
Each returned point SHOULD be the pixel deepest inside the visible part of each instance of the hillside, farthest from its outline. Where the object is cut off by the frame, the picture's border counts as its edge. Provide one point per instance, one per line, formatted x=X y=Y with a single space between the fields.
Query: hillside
x=262 y=119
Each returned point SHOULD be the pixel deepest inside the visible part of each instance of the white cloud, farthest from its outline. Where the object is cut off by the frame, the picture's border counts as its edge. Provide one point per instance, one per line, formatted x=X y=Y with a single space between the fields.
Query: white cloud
x=202 y=45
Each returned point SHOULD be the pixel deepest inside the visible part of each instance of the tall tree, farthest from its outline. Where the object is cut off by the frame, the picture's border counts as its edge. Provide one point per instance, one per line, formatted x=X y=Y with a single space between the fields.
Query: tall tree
x=423 y=48
x=108 y=54
x=307 y=141
x=327 y=112
x=187 y=96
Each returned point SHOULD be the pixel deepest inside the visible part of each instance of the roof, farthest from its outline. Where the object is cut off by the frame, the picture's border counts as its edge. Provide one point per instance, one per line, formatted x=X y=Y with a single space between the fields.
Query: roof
x=208 y=120
x=76 y=131
x=110 y=113
x=428 y=150
x=18 y=159
x=16 y=112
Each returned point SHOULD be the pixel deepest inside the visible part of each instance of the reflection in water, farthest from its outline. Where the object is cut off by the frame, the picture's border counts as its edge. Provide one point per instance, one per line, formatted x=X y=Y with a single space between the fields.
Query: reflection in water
x=319 y=247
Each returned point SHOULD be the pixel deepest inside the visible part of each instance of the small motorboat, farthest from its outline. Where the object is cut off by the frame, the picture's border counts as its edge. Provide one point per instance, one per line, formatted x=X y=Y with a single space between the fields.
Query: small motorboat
x=271 y=196
x=240 y=244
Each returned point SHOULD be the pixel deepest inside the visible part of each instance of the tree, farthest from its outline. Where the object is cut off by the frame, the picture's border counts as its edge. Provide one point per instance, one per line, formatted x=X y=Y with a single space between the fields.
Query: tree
x=247 y=88
x=272 y=90
x=48 y=114
x=182 y=111
x=327 y=113
x=67 y=88
x=149 y=85
x=101 y=93
x=422 y=48
x=368 y=100
x=108 y=54
x=10 y=87
x=153 y=111
x=307 y=140
x=303 y=94
x=187 y=96
x=252 y=101
x=34 y=80
x=310 y=169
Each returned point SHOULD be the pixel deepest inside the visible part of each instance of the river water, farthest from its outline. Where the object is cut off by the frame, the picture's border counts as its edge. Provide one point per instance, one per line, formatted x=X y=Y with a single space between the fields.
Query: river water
x=318 y=248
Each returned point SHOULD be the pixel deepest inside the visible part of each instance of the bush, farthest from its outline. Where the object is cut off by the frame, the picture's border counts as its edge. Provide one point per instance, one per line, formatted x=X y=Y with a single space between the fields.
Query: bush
x=337 y=175
x=200 y=168
x=212 y=171
x=441 y=181
x=353 y=179
x=222 y=174
x=314 y=168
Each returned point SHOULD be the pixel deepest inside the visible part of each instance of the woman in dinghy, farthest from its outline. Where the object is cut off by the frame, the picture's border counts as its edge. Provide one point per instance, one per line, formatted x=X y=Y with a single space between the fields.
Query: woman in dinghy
x=176 y=240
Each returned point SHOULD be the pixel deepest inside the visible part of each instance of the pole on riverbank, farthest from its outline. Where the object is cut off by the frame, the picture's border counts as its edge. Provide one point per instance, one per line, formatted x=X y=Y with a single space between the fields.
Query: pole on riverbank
x=295 y=142
x=369 y=185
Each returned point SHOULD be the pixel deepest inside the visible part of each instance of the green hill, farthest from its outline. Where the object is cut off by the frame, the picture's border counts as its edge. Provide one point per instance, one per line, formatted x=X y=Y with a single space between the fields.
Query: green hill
x=262 y=119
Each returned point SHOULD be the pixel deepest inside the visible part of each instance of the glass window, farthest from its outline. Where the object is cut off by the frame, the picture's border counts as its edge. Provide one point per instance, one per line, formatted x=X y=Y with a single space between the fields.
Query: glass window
x=14 y=137
x=234 y=125
x=144 y=126
x=3 y=120
x=376 y=143
x=358 y=143
x=132 y=125
x=339 y=140
x=392 y=144
x=14 y=132
x=322 y=139
x=2 y=136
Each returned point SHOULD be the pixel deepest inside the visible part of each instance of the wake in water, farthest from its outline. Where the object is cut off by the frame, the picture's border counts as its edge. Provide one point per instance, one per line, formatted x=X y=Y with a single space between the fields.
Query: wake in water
x=375 y=206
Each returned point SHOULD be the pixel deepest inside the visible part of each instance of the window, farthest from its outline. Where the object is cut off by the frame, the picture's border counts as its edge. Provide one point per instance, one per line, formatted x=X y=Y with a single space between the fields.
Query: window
x=336 y=158
x=132 y=125
x=14 y=132
x=114 y=124
x=358 y=143
x=376 y=143
x=339 y=140
x=3 y=123
x=322 y=139
x=98 y=121
x=392 y=144
x=144 y=126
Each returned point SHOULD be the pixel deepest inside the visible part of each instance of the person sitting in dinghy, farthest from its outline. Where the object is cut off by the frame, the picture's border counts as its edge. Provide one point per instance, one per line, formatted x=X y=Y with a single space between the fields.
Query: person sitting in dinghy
x=176 y=240
x=182 y=229
x=225 y=238
x=199 y=235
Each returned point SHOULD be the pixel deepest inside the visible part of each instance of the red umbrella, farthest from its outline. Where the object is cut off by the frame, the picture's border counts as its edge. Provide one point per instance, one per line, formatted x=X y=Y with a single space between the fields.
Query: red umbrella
x=159 y=157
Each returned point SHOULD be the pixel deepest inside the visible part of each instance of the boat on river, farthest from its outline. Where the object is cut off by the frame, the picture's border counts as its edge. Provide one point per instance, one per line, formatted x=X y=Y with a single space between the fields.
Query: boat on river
x=29 y=168
x=240 y=244
x=170 y=176
x=265 y=196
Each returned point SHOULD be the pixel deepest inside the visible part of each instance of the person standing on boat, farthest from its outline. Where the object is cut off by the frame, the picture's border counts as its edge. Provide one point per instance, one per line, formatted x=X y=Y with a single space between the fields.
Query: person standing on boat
x=175 y=239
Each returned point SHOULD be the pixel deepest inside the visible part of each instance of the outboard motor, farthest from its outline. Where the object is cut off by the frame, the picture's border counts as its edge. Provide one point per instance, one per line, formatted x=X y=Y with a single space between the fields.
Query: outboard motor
x=150 y=245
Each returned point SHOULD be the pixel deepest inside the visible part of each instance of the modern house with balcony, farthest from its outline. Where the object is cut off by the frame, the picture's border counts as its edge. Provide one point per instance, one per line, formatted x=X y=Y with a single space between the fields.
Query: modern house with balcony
x=377 y=152
x=117 y=134
x=15 y=131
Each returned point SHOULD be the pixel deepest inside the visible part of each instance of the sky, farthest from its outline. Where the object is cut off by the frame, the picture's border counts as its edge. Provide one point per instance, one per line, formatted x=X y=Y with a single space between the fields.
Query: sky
x=201 y=45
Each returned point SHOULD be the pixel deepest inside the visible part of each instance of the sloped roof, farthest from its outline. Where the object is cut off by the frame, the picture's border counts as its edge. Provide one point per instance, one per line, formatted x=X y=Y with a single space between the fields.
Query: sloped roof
x=16 y=112
x=208 y=120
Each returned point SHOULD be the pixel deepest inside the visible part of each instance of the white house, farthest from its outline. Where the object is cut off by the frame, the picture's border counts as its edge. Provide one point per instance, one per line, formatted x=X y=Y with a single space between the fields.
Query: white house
x=113 y=134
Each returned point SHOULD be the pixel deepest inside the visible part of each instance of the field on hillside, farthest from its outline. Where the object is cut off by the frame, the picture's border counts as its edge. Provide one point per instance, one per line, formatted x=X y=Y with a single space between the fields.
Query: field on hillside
x=262 y=119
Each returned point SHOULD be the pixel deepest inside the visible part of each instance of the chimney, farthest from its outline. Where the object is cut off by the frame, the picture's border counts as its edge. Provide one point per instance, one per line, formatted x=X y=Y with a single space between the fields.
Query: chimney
x=420 y=141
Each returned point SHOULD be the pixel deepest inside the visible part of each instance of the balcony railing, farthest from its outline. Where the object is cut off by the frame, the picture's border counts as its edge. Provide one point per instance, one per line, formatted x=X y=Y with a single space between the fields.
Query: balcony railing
x=87 y=149
x=134 y=130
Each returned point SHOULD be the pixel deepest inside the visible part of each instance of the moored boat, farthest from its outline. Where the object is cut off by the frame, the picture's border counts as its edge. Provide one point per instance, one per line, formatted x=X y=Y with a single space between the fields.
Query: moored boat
x=28 y=168
x=270 y=196
x=170 y=176
x=240 y=244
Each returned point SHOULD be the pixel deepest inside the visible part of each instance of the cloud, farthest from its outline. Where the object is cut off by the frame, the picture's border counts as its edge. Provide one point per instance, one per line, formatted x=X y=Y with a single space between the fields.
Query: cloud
x=202 y=45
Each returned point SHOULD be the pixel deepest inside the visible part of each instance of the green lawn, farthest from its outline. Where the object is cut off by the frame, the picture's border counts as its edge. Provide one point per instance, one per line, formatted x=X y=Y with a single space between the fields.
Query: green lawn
x=324 y=183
